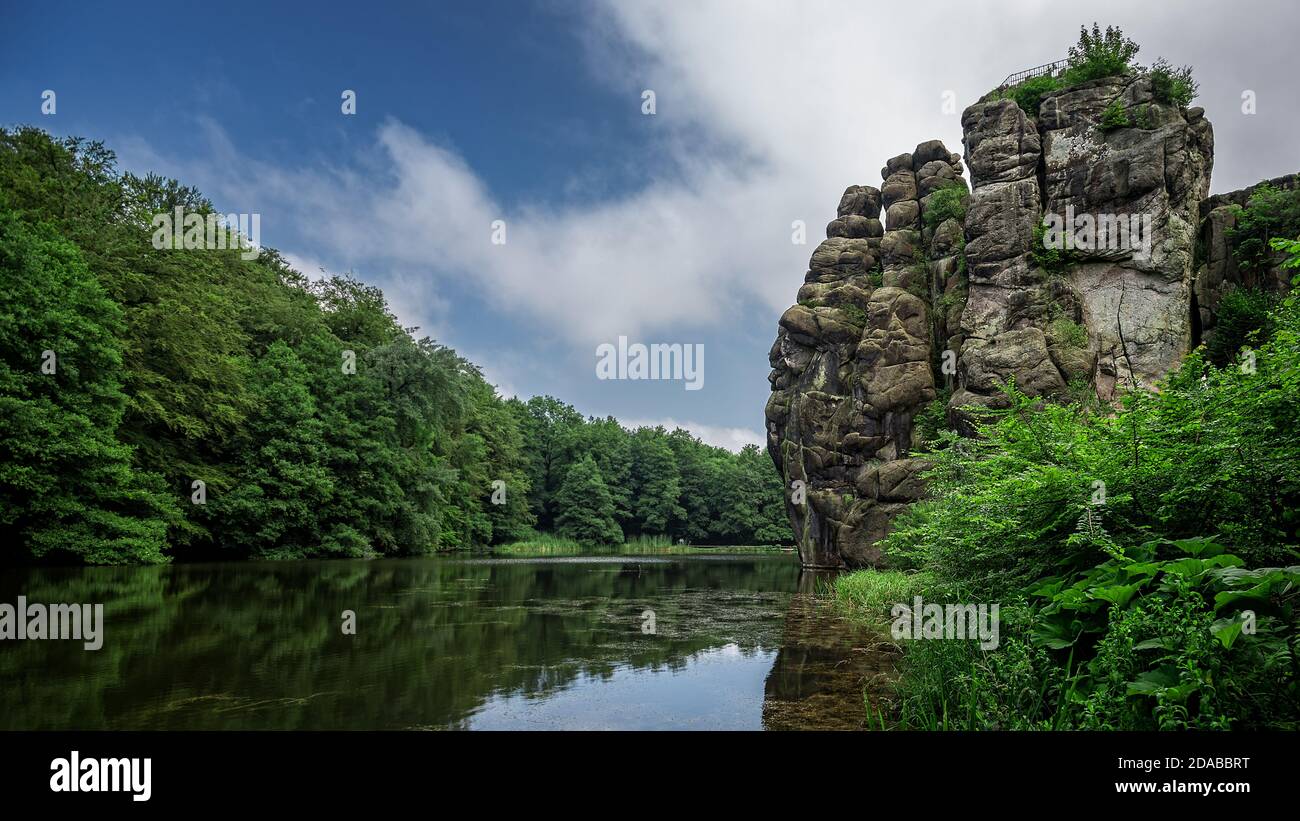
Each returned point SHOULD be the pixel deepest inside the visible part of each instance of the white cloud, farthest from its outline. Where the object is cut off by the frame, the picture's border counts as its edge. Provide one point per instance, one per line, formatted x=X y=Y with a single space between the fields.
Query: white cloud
x=732 y=439
x=766 y=111
x=310 y=266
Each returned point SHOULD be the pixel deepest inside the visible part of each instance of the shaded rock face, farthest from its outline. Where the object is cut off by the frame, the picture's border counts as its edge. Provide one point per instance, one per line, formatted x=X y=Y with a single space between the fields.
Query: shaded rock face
x=852 y=363
x=1217 y=271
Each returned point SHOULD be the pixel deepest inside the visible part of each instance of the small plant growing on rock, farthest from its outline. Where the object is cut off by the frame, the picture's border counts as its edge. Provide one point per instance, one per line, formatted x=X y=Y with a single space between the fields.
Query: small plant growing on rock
x=949 y=299
x=1030 y=93
x=1115 y=116
x=1066 y=333
x=1054 y=261
x=1173 y=85
x=929 y=424
x=946 y=203
x=855 y=314
x=1142 y=117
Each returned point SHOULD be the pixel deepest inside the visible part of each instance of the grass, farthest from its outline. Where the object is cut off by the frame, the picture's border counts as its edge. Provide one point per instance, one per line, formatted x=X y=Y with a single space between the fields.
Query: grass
x=868 y=595
x=1065 y=332
x=546 y=544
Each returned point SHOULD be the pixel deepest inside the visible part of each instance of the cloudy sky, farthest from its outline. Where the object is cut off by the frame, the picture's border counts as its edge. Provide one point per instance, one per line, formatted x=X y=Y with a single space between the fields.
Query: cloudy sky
x=673 y=227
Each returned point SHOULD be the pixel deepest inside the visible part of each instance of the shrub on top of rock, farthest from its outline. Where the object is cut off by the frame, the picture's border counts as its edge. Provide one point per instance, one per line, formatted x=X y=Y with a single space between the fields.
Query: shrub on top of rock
x=1099 y=54
x=1172 y=85
x=1030 y=93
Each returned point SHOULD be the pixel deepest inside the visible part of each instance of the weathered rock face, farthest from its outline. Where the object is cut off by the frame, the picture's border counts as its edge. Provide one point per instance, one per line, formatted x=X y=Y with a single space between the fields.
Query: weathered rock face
x=1116 y=310
x=1217 y=271
x=891 y=316
x=852 y=362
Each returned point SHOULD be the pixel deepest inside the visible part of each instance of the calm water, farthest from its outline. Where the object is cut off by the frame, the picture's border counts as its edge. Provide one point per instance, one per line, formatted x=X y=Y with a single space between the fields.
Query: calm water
x=738 y=642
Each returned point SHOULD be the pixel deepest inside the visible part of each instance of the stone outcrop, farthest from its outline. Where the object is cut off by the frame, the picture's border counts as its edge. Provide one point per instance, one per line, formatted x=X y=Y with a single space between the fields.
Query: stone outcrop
x=895 y=313
x=1115 y=311
x=852 y=362
x=1217 y=270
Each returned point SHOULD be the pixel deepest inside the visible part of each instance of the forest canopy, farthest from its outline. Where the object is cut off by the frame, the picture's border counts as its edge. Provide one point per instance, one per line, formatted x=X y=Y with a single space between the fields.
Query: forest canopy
x=177 y=403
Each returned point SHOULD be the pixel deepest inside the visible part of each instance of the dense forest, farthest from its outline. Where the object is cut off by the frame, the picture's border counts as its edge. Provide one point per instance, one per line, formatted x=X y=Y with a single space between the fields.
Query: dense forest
x=185 y=403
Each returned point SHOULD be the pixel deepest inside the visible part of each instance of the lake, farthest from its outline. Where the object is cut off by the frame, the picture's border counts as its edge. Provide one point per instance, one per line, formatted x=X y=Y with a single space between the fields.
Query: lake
x=695 y=641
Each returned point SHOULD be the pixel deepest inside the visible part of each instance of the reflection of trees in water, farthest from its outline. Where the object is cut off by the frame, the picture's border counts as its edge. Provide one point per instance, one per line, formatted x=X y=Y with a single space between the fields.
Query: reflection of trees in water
x=259 y=645
x=823 y=667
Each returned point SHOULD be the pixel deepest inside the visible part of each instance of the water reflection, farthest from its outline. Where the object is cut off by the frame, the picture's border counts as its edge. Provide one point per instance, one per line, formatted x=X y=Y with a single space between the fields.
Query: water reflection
x=738 y=642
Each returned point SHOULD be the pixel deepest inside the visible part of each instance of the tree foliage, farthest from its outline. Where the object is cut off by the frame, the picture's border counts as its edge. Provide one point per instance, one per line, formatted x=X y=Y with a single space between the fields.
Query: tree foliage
x=1099 y=54
x=586 y=509
x=209 y=406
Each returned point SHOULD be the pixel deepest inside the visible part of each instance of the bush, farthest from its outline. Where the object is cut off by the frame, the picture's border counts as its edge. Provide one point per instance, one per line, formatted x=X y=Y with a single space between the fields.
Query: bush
x=1269 y=213
x=1243 y=320
x=1165 y=635
x=1098 y=55
x=1115 y=116
x=1173 y=85
x=1173 y=635
x=1214 y=451
x=1087 y=528
x=946 y=203
x=1029 y=94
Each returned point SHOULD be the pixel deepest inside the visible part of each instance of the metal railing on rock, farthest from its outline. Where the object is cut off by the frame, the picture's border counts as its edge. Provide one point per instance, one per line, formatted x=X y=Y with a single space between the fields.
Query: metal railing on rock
x=1036 y=71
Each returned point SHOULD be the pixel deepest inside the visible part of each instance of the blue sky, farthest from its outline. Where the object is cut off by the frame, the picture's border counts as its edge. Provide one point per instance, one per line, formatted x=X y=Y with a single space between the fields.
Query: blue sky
x=666 y=228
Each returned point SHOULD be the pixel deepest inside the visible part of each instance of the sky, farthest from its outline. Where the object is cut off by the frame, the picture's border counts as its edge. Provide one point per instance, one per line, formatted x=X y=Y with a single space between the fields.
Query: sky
x=668 y=227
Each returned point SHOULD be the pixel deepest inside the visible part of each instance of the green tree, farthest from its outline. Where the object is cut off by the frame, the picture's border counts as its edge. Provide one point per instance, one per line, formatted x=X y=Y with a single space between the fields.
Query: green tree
x=585 y=511
x=657 y=484
x=610 y=445
x=67 y=486
x=546 y=424
x=272 y=509
x=699 y=468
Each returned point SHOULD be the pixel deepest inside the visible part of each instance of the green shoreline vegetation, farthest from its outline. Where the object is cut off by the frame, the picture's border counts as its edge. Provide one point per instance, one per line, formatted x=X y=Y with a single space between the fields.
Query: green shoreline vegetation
x=191 y=403
x=1144 y=556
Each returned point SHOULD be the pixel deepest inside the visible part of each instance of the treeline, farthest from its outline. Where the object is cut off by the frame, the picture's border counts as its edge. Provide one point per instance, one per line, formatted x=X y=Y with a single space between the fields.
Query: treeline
x=190 y=403
x=594 y=481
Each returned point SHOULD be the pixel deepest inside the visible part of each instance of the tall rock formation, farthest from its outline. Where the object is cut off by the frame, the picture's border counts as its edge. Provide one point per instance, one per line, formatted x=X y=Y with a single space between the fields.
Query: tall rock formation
x=1026 y=318
x=889 y=317
x=852 y=361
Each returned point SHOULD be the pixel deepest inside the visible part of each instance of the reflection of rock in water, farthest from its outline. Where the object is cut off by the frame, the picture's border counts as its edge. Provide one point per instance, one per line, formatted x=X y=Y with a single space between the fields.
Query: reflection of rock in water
x=824 y=665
